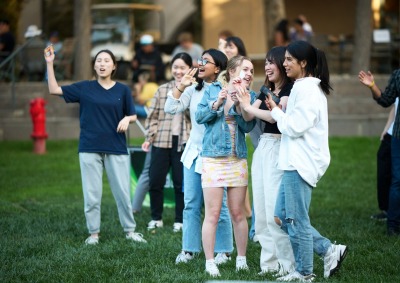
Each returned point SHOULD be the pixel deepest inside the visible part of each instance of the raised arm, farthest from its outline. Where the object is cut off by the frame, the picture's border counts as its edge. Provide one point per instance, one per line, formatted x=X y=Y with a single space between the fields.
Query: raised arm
x=49 y=56
x=367 y=79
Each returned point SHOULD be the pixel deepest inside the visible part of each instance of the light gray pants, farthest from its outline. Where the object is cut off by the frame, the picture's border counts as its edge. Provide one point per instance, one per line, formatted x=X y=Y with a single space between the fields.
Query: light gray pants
x=143 y=185
x=117 y=169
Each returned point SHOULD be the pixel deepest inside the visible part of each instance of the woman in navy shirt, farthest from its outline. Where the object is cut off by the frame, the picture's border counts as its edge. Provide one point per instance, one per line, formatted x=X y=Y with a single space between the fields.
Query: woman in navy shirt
x=106 y=110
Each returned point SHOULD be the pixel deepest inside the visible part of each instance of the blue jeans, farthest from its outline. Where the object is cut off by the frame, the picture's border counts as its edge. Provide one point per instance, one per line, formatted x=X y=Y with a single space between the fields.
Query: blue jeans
x=393 y=221
x=292 y=206
x=193 y=199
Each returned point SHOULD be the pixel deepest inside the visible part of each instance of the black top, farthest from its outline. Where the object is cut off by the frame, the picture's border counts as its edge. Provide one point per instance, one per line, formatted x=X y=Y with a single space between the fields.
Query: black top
x=9 y=43
x=285 y=91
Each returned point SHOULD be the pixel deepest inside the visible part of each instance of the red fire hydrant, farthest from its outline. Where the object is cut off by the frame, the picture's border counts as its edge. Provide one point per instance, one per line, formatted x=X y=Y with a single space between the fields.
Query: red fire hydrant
x=39 y=135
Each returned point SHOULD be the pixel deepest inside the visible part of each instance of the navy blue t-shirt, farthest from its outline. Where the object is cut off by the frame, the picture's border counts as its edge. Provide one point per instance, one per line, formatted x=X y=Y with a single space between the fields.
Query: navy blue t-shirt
x=100 y=112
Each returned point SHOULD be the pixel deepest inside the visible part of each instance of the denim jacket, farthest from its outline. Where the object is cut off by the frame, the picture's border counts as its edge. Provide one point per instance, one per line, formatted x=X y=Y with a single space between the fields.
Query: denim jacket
x=217 y=138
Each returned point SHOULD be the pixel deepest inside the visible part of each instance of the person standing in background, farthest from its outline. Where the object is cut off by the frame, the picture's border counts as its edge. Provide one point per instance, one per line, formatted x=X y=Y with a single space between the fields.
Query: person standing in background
x=384 y=166
x=148 y=58
x=7 y=39
x=386 y=99
x=186 y=44
x=222 y=36
x=106 y=110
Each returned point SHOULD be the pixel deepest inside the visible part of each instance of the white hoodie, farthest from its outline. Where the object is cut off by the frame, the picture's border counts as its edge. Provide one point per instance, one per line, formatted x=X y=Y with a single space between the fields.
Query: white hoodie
x=304 y=127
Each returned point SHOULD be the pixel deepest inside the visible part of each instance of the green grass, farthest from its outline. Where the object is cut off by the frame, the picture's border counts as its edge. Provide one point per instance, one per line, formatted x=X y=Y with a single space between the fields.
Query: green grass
x=42 y=225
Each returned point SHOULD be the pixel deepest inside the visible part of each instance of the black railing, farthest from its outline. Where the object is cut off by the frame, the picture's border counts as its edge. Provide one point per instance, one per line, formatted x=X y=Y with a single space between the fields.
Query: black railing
x=7 y=68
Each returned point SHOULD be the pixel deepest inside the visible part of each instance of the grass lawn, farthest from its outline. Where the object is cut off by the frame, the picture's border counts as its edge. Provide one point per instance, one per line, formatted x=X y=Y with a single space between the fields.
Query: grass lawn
x=42 y=224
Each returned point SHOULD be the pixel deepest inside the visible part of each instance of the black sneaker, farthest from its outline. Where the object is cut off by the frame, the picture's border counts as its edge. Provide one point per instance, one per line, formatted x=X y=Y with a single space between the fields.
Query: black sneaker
x=380 y=216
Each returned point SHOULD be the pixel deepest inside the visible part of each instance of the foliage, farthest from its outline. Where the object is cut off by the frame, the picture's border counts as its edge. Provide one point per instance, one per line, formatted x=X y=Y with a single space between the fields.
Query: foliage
x=43 y=228
x=10 y=10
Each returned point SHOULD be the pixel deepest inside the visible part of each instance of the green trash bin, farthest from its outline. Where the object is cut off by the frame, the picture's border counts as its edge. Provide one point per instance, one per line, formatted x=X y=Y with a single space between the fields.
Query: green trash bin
x=138 y=156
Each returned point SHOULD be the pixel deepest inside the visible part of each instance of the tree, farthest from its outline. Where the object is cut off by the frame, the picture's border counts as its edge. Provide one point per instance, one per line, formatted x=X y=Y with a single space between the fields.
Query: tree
x=275 y=11
x=82 y=26
x=362 y=37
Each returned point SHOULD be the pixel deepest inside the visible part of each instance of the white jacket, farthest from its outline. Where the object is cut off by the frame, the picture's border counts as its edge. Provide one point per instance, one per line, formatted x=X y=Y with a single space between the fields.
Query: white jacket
x=304 y=128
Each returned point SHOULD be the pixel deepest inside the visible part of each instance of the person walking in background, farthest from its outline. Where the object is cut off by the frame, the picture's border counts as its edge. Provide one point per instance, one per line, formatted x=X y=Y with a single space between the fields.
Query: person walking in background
x=186 y=44
x=106 y=110
x=304 y=156
x=167 y=135
x=225 y=159
x=187 y=95
x=386 y=99
x=276 y=251
x=384 y=166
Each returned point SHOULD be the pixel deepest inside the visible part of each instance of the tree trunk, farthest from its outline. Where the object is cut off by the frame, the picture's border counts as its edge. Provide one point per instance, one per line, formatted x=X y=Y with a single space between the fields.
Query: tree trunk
x=82 y=26
x=274 y=12
x=362 y=37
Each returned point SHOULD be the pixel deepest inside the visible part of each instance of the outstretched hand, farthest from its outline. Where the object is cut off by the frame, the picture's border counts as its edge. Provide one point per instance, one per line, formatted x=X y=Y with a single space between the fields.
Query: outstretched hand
x=366 y=78
x=49 y=54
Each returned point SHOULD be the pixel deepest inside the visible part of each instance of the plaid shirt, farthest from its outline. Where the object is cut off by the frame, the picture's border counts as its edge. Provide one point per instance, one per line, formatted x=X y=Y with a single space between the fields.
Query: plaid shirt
x=388 y=97
x=159 y=124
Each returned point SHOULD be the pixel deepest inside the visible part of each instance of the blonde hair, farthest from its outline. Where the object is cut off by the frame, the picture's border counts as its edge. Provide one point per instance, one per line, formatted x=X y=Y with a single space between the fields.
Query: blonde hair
x=233 y=63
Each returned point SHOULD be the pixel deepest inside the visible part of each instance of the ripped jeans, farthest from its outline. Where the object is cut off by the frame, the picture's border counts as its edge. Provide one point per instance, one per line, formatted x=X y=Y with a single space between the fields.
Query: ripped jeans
x=292 y=206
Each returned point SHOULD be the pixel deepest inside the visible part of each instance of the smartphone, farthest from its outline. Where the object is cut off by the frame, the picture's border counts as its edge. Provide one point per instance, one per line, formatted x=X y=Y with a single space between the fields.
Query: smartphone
x=242 y=74
x=265 y=90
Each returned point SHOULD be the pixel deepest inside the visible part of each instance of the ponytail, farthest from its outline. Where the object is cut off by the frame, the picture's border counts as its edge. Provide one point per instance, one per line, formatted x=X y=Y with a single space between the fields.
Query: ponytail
x=322 y=71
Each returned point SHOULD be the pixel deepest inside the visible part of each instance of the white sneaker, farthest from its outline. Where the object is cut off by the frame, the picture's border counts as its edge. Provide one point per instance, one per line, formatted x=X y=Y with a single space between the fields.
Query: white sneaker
x=177 y=227
x=241 y=263
x=333 y=258
x=295 y=276
x=92 y=240
x=153 y=224
x=183 y=257
x=137 y=237
x=212 y=269
x=222 y=258
x=268 y=270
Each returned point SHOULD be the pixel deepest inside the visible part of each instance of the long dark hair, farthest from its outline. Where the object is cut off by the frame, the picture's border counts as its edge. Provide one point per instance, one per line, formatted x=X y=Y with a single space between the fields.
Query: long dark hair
x=238 y=43
x=316 y=66
x=185 y=57
x=112 y=58
x=277 y=56
x=220 y=61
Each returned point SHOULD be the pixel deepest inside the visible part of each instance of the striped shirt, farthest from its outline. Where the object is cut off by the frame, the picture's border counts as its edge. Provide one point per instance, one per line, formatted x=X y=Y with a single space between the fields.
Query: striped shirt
x=159 y=124
x=388 y=97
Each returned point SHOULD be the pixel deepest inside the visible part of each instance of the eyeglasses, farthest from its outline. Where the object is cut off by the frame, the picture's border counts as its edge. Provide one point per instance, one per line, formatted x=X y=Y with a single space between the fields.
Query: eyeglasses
x=204 y=62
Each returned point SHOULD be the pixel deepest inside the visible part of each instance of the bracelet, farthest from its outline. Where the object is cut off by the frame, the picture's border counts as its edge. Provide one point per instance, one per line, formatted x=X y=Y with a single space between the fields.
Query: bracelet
x=181 y=91
x=372 y=84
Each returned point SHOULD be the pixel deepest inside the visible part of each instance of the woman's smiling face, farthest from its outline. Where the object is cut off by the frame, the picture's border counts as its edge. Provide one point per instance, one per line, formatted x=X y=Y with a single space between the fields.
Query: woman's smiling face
x=208 y=72
x=179 y=69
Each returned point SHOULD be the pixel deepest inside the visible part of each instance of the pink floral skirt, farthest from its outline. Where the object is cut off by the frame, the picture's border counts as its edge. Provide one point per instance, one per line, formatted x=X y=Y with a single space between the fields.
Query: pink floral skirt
x=224 y=172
